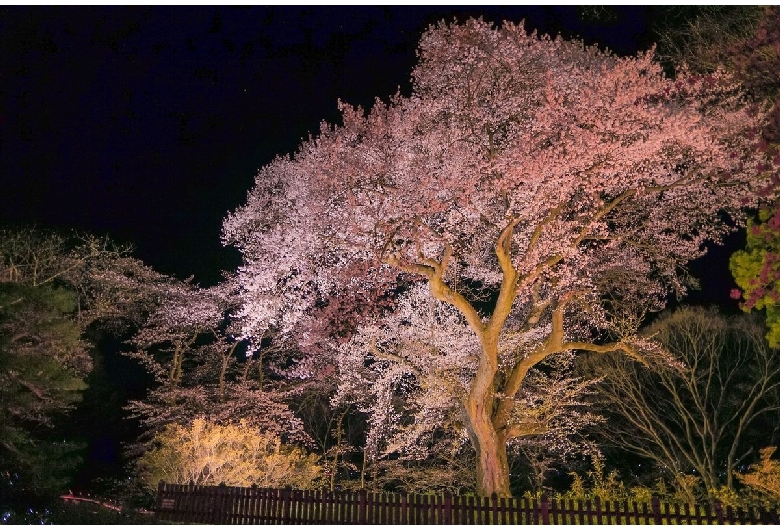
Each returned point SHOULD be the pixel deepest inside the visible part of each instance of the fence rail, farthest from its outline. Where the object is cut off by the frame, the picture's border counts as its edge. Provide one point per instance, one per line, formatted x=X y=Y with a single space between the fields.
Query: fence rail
x=253 y=505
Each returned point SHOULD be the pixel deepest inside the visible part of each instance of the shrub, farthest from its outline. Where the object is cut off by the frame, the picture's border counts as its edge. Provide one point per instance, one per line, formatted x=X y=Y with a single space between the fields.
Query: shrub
x=237 y=454
x=763 y=478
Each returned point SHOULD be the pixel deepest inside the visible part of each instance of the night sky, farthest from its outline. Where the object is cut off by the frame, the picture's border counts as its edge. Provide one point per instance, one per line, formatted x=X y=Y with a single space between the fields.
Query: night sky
x=149 y=123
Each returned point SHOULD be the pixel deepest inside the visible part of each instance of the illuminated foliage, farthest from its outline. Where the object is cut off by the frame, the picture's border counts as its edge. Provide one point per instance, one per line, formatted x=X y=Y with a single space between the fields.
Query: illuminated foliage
x=237 y=454
x=533 y=185
x=764 y=475
x=756 y=271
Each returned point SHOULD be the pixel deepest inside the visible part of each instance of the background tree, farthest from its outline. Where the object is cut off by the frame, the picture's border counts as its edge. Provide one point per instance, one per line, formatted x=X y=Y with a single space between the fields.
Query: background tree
x=695 y=414
x=56 y=291
x=336 y=430
x=199 y=370
x=703 y=37
x=112 y=287
x=756 y=59
x=43 y=366
x=744 y=40
x=548 y=174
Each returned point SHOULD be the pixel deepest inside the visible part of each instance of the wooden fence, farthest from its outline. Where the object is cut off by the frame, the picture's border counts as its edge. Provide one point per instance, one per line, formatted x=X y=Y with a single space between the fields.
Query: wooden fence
x=235 y=505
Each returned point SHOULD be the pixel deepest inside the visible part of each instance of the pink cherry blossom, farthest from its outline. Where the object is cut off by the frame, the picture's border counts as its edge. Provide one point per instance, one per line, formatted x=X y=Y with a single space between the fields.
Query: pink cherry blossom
x=570 y=184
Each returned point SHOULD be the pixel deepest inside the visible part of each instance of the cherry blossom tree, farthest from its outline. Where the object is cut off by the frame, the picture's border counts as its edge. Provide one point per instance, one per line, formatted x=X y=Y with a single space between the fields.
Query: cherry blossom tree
x=188 y=346
x=183 y=313
x=528 y=180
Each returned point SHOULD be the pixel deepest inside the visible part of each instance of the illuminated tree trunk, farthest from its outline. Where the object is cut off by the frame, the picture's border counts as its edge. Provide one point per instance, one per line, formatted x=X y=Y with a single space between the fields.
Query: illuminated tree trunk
x=174 y=373
x=492 y=467
x=481 y=407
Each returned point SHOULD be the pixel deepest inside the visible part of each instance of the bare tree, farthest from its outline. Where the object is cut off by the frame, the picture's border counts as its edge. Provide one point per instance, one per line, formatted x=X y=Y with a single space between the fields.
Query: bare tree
x=689 y=413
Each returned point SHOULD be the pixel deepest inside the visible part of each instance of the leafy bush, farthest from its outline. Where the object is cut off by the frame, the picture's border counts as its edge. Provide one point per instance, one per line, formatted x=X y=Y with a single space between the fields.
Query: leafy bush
x=763 y=480
x=237 y=454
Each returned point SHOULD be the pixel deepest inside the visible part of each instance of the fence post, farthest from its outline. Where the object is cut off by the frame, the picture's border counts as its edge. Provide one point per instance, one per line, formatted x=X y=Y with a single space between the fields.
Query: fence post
x=545 y=510
x=718 y=511
x=362 y=494
x=286 y=505
x=767 y=516
x=216 y=504
x=655 y=504
x=228 y=503
x=160 y=490
x=599 y=513
x=447 y=515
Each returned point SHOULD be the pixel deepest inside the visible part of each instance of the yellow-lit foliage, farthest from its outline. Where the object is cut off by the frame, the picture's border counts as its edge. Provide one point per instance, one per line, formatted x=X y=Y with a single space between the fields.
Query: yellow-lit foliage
x=765 y=475
x=236 y=454
x=597 y=483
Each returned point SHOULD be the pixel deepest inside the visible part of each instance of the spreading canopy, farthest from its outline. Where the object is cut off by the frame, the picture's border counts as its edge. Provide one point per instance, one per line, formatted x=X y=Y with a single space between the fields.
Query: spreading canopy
x=574 y=162
x=525 y=177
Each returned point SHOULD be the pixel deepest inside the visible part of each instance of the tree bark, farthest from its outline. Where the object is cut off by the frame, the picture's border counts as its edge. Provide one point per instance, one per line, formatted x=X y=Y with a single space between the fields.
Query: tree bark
x=174 y=374
x=480 y=405
x=226 y=355
x=490 y=445
x=492 y=464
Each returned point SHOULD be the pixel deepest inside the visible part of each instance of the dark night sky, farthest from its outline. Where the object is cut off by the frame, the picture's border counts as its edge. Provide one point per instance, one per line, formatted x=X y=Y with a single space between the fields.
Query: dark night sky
x=149 y=123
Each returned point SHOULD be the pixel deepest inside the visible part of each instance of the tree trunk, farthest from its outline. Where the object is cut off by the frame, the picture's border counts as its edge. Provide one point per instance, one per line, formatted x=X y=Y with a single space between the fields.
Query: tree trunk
x=492 y=464
x=480 y=405
x=223 y=371
x=363 y=471
x=492 y=468
x=339 y=433
x=174 y=374
x=490 y=446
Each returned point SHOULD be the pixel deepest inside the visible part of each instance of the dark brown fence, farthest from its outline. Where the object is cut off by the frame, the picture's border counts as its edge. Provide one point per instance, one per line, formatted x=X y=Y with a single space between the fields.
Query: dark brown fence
x=232 y=505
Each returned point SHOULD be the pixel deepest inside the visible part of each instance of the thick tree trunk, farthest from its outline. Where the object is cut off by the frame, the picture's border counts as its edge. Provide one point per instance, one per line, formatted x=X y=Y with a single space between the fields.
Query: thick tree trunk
x=490 y=446
x=492 y=466
x=481 y=407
